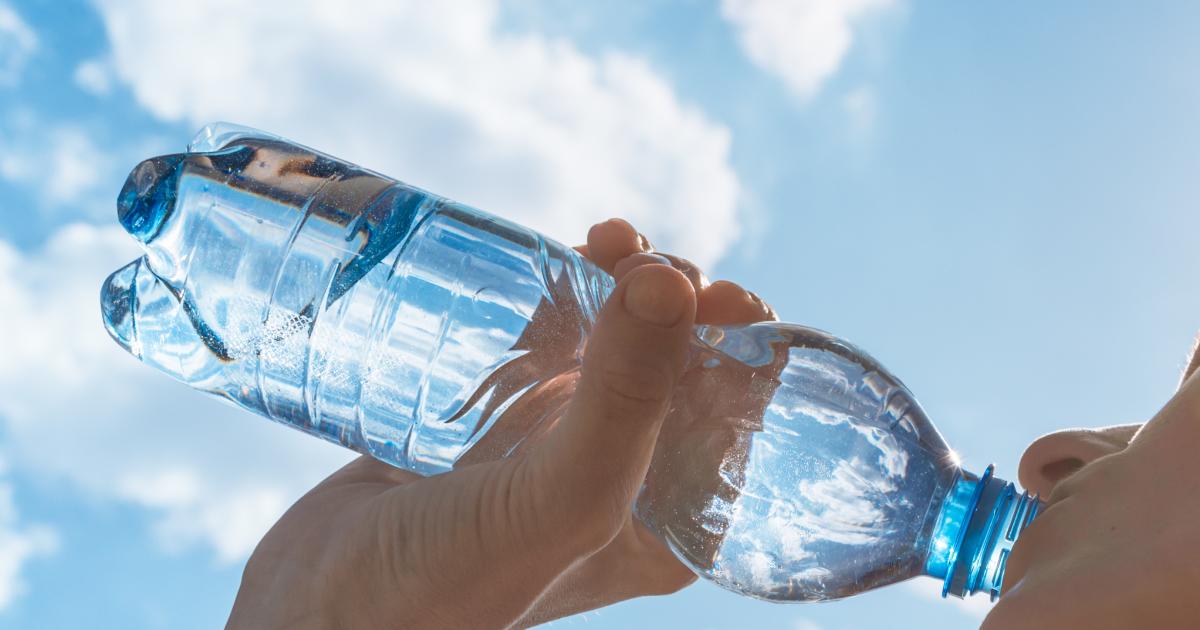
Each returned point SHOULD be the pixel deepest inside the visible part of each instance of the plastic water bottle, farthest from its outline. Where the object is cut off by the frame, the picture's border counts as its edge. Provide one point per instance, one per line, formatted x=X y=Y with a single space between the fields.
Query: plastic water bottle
x=429 y=334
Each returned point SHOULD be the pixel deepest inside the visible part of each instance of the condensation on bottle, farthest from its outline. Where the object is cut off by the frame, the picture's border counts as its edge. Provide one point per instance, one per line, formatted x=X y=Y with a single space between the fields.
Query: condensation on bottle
x=432 y=335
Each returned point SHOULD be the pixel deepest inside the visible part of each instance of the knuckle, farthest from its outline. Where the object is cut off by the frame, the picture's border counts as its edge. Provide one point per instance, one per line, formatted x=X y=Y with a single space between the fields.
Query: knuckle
x=594 y=234
x=645 y=243
x=726 y=291
x=635 y=382
x=727 y=285
x=689 y=269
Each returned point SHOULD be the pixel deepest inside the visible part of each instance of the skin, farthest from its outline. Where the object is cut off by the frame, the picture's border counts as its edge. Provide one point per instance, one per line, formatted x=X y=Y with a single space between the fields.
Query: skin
x=549 y=532
x=1116 y=547
x=518 y=541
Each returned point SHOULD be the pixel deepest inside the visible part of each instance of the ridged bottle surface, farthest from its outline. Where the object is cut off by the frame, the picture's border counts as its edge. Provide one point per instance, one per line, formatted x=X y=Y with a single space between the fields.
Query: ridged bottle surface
x=791 y=467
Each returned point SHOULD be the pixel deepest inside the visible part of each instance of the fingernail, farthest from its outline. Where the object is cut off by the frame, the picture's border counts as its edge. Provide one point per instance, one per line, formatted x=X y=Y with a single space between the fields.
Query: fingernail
x=644 y=243
x=759 y=302
x=650 y=299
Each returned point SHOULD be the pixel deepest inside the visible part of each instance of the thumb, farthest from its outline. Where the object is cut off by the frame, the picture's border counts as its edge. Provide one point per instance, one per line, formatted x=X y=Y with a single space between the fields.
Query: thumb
x=590 y=468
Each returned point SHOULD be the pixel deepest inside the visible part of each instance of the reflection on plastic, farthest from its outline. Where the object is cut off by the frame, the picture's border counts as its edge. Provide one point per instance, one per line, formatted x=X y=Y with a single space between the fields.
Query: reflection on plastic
x=791 y=467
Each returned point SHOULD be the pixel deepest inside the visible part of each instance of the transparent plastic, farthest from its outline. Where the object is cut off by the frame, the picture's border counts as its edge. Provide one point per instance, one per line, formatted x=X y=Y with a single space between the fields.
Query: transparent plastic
x=430 y=335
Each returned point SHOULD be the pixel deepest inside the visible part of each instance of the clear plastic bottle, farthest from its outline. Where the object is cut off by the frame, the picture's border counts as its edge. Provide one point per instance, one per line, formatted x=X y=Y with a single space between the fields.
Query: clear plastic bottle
x=428 y=334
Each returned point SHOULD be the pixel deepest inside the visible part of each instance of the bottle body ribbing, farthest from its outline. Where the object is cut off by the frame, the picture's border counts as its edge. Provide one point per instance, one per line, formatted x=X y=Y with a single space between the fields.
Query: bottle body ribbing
x=791 y=465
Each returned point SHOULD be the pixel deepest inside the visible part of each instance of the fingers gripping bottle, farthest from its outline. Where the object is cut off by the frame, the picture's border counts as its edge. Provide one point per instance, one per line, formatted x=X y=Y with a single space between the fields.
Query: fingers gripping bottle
x=429 y=334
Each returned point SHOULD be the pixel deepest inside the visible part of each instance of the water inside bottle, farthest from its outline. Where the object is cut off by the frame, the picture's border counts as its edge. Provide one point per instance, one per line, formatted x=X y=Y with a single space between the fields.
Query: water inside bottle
x=284 y=281
x=425 y=333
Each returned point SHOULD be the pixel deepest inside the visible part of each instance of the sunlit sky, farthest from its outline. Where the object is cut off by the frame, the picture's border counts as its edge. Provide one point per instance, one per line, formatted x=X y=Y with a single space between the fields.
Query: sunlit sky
x=997 y=200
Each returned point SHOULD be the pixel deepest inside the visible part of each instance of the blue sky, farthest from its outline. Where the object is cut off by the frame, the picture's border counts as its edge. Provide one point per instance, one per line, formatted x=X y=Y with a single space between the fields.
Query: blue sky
x=996 y=200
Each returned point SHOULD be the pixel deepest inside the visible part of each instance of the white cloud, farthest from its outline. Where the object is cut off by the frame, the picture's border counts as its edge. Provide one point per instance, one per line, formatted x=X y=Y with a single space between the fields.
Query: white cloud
x=72 y=166
x=521 y=125
x=60 y=163
x=19 y=544
x=78 y=407
x=94 y=76
x=861 y=110
x=17 y=43
x=803 y=42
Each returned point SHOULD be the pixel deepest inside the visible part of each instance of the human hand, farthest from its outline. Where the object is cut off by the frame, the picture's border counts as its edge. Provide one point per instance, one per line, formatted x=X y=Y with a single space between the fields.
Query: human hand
x=518 y=541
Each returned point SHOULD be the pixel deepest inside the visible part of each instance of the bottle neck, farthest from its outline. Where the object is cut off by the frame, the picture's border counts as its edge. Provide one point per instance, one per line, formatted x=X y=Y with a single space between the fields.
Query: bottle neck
x=980 y=521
